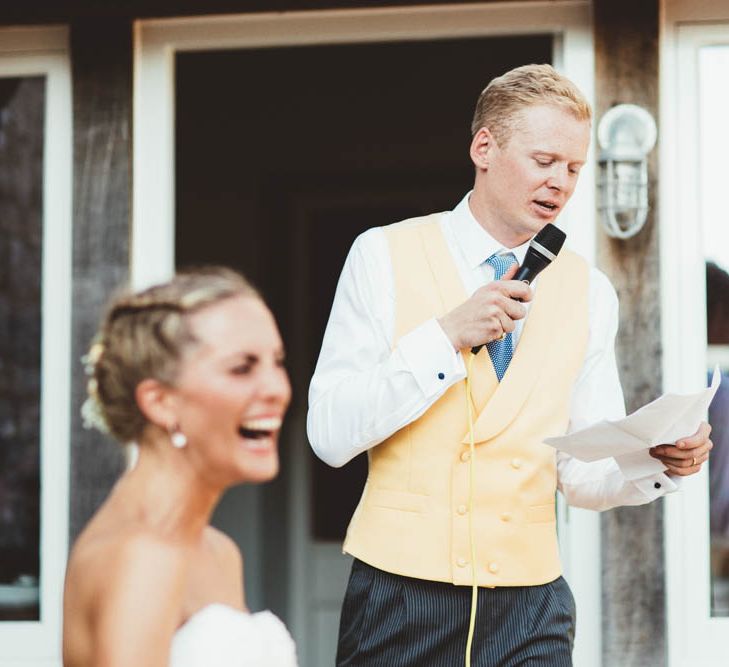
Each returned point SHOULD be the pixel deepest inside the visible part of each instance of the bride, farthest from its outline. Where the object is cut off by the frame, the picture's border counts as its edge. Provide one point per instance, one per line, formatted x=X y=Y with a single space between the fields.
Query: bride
x=192 y=371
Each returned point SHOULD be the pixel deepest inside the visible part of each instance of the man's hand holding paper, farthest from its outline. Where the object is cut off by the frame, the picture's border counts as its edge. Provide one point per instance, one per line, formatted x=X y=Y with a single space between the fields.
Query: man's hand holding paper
x=639 y=443
x=688 y=454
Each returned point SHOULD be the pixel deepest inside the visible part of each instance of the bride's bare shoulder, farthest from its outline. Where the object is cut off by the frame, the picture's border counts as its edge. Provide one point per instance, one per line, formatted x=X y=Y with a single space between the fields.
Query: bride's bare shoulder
x=224 y=546
x=128 y=579
x=227 y=555
x=125 y=563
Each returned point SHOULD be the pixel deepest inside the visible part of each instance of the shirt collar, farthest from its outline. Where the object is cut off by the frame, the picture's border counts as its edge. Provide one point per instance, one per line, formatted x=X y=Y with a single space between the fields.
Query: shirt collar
x=476 y=244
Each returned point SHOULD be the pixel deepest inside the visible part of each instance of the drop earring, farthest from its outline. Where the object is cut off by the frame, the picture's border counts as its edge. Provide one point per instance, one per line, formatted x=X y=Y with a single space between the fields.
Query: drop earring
x=177 y=437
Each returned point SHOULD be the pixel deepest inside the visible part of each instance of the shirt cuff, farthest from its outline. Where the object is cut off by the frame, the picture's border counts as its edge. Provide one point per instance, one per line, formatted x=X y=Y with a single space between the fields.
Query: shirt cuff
x=655 y=486
x=429 y=355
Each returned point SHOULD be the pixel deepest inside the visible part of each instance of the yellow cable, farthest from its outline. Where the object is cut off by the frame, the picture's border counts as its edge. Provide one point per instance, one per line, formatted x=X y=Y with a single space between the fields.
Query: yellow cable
x=472 y=449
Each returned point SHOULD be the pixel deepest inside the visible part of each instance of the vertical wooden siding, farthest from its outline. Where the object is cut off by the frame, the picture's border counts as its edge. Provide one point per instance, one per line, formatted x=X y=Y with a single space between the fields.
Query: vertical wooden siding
x=56 y=11
x=626 y=61
x=101 y=54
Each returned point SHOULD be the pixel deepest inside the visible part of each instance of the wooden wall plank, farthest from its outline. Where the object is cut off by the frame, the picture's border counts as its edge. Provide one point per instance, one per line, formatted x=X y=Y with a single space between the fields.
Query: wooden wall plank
x=626 y=61
x=101 y=53
x=44 y=11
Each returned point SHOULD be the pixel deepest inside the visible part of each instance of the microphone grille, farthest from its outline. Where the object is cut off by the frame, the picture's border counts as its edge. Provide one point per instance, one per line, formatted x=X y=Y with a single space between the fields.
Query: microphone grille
x=551 y=237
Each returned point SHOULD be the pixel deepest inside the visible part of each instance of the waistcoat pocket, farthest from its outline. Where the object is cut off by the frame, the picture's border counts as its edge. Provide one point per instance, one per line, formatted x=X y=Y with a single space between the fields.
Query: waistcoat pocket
x=397 y=500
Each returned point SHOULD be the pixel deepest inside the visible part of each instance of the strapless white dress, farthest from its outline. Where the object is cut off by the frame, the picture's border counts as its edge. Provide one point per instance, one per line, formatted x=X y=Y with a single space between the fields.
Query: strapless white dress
x=220 y=636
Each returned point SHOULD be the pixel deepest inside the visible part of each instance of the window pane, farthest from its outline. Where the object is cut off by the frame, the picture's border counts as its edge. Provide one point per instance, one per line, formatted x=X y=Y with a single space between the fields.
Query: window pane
x=714 y=110
x=21 y=181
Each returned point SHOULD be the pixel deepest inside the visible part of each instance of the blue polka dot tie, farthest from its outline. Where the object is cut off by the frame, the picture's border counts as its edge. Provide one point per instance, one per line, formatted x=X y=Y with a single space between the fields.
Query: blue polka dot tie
x=501 y=351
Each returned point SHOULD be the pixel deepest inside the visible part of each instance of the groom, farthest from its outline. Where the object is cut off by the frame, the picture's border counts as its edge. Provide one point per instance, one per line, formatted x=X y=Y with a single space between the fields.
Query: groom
x=412 y=300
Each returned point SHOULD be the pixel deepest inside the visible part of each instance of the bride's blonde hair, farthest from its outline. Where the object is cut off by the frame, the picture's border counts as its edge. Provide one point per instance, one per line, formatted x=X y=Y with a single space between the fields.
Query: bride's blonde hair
x=144 y=335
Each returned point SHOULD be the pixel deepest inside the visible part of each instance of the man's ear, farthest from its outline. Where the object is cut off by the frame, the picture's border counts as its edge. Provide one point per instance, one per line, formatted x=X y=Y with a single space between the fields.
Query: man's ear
x=481 y=145
x=157 y=403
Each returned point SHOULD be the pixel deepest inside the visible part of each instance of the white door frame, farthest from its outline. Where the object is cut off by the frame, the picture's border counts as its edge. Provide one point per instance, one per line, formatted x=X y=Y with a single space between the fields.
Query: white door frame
x=43 y=51
x=695 y=639
x=157 y=42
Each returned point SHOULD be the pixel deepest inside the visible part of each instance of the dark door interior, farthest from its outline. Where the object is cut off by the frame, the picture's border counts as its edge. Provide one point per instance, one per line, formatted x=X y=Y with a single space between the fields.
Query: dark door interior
x=338 y=139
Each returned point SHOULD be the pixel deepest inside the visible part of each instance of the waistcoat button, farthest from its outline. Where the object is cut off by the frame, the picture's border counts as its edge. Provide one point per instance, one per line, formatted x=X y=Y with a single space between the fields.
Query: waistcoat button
x=462 y=509
x=506 y=516
x=516 y=463
x=465 y=456
x=493 y=568
x=462 y=562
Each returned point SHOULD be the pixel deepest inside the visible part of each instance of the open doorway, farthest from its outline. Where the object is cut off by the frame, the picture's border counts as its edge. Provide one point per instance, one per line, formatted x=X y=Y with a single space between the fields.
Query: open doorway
x=283 y=156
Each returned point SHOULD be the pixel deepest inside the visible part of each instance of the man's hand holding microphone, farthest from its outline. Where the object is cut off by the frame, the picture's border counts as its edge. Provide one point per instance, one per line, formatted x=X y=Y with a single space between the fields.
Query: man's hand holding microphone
x=490 y=313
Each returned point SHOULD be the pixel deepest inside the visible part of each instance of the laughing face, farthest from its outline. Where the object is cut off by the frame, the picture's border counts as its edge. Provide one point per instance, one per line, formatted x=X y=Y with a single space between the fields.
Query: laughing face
x=526 y=183
x=232 y=392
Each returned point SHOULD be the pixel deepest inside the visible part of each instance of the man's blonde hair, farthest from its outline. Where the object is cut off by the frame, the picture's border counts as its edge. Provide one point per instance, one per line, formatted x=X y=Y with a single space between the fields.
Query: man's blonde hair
x=499 y=103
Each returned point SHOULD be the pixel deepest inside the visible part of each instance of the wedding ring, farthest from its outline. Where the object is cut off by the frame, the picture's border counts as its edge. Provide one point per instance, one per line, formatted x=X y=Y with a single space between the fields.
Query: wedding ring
x=501 y=337
x=693 y=461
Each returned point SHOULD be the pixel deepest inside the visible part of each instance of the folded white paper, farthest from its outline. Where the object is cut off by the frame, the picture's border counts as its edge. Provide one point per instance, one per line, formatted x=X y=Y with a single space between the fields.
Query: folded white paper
x=663 y=421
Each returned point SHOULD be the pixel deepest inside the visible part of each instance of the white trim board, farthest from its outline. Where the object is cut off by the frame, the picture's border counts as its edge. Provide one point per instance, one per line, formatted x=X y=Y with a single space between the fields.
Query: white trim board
x=43 y=52
x=695 y=639
x=157 y=42
x=345 y=26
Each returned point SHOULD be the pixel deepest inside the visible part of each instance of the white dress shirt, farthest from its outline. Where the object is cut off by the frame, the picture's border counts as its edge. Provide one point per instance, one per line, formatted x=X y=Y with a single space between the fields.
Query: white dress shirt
x=364 y=389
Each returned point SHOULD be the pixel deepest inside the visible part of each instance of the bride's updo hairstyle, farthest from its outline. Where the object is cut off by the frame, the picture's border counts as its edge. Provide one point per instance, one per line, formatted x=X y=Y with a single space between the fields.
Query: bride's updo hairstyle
x=145 y=335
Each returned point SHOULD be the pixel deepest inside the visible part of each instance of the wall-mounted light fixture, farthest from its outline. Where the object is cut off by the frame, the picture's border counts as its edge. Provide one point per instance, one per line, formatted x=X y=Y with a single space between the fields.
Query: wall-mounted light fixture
x=626 y=133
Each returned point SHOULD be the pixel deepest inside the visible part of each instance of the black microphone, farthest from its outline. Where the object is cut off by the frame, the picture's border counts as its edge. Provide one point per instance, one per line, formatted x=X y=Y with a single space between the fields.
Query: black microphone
x=542 y=250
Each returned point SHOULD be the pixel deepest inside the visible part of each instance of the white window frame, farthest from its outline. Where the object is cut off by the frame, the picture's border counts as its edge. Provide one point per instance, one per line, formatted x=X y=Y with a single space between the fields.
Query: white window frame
x=43 y=51
x=695 y=638
x=157 y=41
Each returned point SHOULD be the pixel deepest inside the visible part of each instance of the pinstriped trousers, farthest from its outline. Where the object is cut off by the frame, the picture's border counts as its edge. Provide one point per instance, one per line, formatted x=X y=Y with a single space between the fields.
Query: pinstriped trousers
x=393 y=621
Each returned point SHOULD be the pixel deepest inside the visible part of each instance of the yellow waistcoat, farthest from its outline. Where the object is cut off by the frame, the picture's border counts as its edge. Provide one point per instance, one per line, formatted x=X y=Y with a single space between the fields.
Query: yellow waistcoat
x=412 y=518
